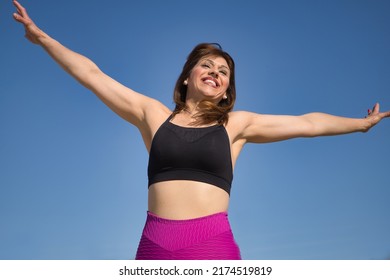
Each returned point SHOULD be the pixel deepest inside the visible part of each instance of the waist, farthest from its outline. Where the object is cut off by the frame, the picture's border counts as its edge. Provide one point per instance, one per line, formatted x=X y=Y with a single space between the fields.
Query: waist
x=181 y=199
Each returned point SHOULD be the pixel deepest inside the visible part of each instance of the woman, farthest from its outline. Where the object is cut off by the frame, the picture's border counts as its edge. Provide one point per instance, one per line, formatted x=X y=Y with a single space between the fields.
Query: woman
x=193 y=149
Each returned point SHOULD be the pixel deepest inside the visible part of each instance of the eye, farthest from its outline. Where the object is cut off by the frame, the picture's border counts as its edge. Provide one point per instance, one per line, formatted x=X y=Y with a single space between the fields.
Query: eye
x=206 y=65
x=223 y=72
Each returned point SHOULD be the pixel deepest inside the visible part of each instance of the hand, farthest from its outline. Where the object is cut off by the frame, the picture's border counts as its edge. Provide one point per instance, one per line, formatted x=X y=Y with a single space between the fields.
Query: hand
x=33 y=33
x=374 y=116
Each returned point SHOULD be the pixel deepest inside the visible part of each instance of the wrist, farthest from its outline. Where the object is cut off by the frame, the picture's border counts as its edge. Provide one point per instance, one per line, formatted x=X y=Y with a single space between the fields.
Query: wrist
x=36 y=35
x=365 y=125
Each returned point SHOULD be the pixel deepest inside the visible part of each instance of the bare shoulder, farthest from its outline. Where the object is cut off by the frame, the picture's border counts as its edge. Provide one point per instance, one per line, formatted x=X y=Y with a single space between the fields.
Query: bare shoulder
x=155 y=113
x=236 y=129
x=241 y=119
x=238 y=123
x=253 y=127
x=239 y=116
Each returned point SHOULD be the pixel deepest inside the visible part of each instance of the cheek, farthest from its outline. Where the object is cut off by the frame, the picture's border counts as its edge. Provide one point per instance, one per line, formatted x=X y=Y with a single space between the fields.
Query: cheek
x=195 y=72
x=226 y=83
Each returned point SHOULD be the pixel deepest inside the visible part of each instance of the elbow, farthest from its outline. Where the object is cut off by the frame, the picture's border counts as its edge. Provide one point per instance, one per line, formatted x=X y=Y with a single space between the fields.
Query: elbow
x=309 y=129
x=88 y=77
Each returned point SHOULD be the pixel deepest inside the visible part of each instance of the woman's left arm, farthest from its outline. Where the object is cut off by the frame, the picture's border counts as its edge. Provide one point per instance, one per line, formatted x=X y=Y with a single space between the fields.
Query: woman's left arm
x=257 y=128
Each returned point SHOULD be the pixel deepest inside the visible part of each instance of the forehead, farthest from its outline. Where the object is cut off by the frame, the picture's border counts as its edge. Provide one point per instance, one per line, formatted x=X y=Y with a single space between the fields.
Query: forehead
x=216 y=60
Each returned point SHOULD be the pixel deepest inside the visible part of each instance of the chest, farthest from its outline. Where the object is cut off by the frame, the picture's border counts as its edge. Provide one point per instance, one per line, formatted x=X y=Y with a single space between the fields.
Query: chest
x=206 y=149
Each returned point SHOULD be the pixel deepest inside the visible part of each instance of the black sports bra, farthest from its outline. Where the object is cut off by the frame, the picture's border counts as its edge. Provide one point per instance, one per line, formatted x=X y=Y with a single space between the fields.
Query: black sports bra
x=187 y=153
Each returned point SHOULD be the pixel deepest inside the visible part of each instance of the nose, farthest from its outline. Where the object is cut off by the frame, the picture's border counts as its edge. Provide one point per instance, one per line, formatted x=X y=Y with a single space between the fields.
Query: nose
x=213 y=73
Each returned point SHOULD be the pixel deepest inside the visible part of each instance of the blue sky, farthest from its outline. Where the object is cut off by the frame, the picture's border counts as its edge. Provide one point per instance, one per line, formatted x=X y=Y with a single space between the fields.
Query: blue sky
x=73 y=182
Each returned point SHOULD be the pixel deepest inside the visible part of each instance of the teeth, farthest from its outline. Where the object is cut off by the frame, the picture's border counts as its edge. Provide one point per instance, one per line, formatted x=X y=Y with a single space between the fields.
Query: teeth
x=211 y=83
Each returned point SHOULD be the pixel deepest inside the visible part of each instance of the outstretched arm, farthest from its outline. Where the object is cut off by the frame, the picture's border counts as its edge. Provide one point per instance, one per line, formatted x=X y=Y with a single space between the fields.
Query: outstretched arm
x=127 y=103
x=258 y=128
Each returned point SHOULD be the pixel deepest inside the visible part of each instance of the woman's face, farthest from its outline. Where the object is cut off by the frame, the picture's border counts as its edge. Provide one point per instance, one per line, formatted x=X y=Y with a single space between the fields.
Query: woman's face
x=209 y=79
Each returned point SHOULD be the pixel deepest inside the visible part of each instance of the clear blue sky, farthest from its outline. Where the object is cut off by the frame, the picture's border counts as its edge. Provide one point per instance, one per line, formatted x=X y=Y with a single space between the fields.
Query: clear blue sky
x=73 y=182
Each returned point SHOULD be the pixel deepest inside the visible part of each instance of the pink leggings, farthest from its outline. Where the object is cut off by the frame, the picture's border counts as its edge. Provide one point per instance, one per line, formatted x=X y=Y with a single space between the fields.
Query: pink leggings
x=204 y=238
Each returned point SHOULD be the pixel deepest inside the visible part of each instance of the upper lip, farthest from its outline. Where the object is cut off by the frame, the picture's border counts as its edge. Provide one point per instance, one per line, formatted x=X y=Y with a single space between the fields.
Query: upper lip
x=212 y=79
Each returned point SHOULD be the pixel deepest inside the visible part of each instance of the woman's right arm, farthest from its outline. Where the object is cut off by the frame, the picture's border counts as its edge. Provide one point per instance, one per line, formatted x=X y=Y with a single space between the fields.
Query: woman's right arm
x=127 y=103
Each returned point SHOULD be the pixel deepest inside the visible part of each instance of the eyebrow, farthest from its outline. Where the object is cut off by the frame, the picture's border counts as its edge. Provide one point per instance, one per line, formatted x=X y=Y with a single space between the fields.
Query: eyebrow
x=220 y=66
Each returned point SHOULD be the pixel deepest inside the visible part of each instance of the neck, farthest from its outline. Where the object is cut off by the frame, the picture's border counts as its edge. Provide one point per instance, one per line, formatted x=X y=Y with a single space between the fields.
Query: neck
x=191 y=108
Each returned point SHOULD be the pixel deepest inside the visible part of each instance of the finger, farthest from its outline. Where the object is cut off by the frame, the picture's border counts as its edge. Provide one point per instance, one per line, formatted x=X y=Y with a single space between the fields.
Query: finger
x=375 y=109
x=386 y=114
x=17 y=17
x=20 y=19
x=21 y=15
x=21 y=10
x=18 y=6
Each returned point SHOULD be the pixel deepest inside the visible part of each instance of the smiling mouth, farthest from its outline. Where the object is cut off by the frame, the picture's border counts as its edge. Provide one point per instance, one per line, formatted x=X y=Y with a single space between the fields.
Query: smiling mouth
x=211 y=82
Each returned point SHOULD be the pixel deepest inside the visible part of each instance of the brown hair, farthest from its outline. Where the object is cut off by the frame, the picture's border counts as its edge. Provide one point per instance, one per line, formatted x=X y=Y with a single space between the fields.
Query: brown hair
x=209 y=112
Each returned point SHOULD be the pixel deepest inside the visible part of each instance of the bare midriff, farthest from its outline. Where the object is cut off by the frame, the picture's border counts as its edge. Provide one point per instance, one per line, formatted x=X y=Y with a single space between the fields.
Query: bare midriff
x=179 y=200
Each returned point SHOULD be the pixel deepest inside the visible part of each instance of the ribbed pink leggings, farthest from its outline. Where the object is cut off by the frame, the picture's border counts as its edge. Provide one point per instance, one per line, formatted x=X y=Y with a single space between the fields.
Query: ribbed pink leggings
x=204 y=238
